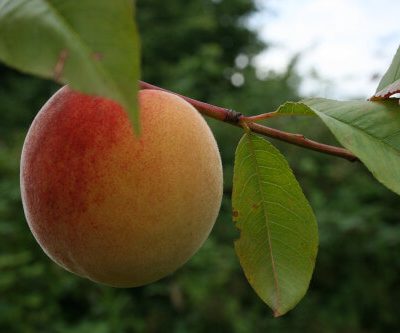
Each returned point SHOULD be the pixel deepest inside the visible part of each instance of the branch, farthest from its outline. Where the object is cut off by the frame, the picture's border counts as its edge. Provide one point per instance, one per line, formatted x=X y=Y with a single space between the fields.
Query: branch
x=234 y=118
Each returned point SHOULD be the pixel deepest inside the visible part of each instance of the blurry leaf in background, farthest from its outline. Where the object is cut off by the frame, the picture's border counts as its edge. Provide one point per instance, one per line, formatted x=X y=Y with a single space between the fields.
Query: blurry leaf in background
x=278 y=240
x=190 y=46
x=92 y=45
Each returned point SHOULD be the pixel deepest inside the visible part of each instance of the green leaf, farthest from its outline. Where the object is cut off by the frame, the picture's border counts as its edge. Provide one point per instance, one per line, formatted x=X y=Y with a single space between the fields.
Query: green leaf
x=392 y=74
x=370 y=130
x=93 y=45
x=278 y=240
x=294 y=109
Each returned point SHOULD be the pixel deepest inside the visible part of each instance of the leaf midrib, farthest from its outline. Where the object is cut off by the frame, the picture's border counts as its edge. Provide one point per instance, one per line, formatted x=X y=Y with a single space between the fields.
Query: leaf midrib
x=274 y=272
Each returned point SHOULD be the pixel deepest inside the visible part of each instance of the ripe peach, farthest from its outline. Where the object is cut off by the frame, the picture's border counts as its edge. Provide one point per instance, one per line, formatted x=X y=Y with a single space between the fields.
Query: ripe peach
x=112 y=207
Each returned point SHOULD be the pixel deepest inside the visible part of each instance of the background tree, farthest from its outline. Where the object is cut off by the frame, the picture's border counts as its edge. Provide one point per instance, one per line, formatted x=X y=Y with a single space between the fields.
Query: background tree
x=191 y=47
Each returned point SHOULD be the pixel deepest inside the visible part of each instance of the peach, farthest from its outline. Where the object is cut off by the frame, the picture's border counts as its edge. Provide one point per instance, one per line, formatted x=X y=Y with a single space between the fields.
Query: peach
x=115 y=208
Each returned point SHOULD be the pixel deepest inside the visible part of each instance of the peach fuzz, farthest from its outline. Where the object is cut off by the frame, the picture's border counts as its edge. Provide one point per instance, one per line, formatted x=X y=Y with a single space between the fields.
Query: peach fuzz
x=115 y=208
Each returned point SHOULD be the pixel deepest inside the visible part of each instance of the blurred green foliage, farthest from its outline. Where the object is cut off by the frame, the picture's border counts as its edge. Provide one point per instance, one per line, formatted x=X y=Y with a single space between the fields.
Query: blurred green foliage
x=191 y=47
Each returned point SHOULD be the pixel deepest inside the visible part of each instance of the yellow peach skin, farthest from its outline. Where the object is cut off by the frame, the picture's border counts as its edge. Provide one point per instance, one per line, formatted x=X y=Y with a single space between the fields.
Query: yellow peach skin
x=111 y=207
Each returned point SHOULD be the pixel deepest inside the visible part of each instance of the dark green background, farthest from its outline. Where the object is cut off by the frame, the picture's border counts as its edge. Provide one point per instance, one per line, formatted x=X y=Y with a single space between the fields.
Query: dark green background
x=190 y=47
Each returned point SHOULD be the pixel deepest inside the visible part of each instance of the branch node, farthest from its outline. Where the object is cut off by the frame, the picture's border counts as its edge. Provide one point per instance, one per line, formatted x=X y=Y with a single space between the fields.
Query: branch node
x=232 y=116
x=244 y=125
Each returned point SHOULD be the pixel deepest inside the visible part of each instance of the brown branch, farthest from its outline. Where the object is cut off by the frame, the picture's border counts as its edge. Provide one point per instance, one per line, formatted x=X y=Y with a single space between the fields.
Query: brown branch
x=233 y=117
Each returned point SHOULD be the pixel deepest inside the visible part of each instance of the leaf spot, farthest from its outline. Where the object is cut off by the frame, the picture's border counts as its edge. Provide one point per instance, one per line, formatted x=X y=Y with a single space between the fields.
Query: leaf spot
x=59 y=67
x=97 y=56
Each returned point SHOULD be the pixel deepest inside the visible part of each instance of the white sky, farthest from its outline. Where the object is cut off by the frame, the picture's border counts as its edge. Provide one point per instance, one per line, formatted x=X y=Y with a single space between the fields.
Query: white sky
x=346 y=42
